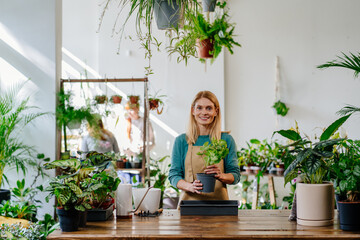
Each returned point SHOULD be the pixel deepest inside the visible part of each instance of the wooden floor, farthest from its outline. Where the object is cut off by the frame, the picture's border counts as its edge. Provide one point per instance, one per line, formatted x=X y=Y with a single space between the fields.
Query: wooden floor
x=250 y=224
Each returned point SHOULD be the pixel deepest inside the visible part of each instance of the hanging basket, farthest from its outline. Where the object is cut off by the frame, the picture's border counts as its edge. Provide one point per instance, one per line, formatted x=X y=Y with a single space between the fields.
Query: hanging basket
x=101 y=99
x=205 y=47
x=154 y=104
x=116 y=99
x=167 y=15
x=209 y=5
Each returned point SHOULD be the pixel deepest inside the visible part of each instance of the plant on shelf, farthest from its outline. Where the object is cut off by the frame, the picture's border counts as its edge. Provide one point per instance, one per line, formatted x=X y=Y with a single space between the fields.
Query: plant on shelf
x=155 y=102
x=311 y=162
x=199 y=33
x=67 y=114
x=261 y=154
x=15 y=115
x=346 y=177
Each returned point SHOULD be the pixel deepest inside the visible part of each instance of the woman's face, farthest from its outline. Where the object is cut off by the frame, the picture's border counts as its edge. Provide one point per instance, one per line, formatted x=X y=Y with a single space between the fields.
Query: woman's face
x=133 y=113
x=204 y=111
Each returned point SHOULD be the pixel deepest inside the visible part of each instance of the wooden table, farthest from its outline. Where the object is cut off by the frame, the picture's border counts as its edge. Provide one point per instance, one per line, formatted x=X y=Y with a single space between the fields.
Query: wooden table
x=250 y=224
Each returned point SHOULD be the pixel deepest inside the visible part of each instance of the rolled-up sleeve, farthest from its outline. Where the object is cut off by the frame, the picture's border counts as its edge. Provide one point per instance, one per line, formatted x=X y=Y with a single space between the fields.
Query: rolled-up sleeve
x=176 y=172
x=231 y=161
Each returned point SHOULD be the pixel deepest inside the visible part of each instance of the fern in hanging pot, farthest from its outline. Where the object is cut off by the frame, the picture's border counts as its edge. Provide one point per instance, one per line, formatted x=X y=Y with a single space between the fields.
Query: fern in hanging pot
x=203 y=39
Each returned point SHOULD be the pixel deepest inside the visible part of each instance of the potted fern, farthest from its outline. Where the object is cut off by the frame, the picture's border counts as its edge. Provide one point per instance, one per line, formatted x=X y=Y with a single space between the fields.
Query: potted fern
x=213 y=153
x=203 y=39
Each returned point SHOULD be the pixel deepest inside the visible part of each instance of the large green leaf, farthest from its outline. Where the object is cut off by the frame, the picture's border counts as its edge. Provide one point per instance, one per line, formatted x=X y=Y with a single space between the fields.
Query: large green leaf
x=313 y=163
x=289 y=134
x=333 y=128
x=298 y=160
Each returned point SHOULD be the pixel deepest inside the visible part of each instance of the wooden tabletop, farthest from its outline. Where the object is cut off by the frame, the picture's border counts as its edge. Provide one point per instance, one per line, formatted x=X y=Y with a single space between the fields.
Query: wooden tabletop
x=250 y=224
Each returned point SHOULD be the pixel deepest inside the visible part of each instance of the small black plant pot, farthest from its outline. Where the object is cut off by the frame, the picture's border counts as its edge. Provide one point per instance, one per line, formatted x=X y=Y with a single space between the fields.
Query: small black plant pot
x=208 y=181
x=83 y=218
x=349 y=215
x=4 y=195
x=69 y=219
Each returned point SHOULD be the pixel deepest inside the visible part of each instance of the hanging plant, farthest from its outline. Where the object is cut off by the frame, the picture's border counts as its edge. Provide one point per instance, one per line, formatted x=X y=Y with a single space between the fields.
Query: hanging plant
x=280 y=108
x=101 y=99
x=155 y=102
x=116 y=99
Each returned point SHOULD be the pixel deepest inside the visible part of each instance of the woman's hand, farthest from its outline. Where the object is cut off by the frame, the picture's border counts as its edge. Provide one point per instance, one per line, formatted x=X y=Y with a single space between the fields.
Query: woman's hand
x=227 y=178
x=193 y=187
x=213 y=169
x=196 y=186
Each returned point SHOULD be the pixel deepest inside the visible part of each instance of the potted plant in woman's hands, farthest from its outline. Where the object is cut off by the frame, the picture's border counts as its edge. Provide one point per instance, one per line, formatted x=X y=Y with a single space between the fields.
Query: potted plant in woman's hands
x=213 y=153
x=346 y=169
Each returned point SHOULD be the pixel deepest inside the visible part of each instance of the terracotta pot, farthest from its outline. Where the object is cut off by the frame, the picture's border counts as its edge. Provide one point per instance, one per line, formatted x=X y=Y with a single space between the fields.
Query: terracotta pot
x=100 y=99
x=205 y=47
x=116 y=99
x=133 y=99
x=315 y=204
x=120 y=164
x=154 y=104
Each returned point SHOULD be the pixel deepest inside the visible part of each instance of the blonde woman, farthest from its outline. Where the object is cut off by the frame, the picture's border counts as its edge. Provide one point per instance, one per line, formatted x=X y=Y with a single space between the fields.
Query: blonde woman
x=204 y=124
x=99 y=139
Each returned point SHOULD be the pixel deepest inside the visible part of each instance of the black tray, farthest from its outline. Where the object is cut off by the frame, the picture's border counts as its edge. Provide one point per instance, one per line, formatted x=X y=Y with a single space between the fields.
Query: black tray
x=209 y=208
x=95 y=215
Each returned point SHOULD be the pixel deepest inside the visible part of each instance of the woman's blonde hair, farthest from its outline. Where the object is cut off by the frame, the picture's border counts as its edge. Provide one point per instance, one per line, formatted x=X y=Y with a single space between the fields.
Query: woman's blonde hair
x=98 y=131
x=193 y=130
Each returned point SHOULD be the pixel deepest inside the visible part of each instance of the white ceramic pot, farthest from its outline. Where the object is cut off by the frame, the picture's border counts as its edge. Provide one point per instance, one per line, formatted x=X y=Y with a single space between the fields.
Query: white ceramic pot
x=151 y=201
x=124 y=200
x=315 y=204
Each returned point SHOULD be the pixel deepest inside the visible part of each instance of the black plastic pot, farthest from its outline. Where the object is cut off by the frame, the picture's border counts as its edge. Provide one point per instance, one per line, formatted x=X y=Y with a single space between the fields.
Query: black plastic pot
x=167 y=15
x=83 y=218
x=208 y=181
x=4 y=195
x=69 y=219
x=349 y=215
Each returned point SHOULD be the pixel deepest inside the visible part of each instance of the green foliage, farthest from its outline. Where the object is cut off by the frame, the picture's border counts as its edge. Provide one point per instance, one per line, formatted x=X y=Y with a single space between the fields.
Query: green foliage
x=66 y=114
x=15 y=115
x=289 y=199
x=214 y=152
x=261 y=153
x=312 y=161
x=220 y=32
x=102 y=187
x=346 y=169
x=81 y=182
x=159 y=171
x=280 y=108
x=20 y=210
x=350 y=61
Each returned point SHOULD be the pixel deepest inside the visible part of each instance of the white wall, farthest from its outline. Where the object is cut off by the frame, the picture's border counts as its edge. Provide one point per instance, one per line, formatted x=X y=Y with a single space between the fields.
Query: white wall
x=303 y=34
x=178 y=82
x=27 y=51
